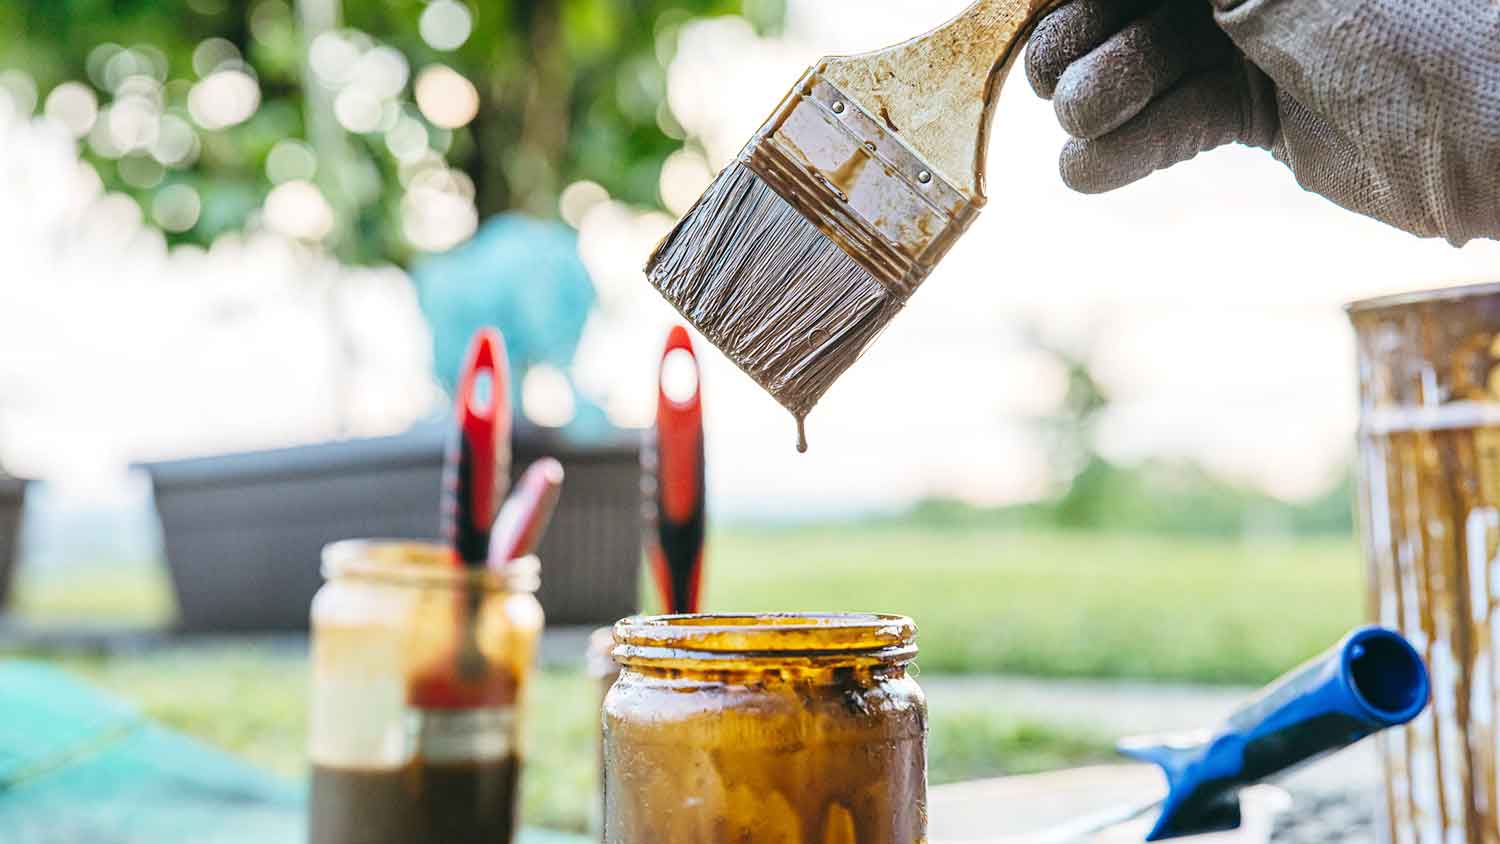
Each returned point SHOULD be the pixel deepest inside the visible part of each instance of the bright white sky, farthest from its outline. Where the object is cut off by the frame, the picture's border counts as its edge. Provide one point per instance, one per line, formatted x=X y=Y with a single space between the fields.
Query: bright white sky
x=1210 y=294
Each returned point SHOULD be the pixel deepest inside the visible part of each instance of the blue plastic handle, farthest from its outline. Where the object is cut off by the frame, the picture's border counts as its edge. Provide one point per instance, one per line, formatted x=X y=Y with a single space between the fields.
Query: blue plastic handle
x=1372 y=680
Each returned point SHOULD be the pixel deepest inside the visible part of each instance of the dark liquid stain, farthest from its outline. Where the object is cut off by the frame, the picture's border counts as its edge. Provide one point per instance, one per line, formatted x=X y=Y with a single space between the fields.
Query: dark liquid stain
x=848 y=173
x=801 y=435
x=456 y=803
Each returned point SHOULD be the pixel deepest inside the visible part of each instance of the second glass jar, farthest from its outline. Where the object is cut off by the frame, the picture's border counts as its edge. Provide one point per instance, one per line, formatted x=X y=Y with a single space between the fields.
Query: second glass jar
x=419 y=670
x=753 y=729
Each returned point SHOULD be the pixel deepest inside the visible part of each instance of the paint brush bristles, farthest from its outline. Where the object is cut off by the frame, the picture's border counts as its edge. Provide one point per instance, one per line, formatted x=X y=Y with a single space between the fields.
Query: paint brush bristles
x=770 y=289
x=804 y=249
x=841 y=206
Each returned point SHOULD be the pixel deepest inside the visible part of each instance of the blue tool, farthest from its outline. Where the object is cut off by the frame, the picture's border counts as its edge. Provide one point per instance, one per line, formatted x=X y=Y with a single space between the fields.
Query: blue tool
x=1372 y=680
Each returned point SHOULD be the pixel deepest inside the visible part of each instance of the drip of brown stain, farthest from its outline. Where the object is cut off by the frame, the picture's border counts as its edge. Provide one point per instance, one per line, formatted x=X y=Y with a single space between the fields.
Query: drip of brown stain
x=801 y=434
x=844 y=177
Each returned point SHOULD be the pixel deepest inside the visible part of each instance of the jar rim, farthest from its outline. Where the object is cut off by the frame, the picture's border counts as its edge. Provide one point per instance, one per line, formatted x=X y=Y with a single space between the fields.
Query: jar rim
x=423 y=564
x=824 y=637
x=1440 y=295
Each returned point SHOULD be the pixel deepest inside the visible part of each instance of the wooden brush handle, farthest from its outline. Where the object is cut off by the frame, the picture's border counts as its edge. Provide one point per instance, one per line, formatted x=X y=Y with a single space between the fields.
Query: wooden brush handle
x=938 y=91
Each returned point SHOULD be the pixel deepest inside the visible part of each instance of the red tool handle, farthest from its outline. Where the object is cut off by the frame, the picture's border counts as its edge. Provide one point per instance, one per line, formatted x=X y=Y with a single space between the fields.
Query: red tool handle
x=526 y=514
x=676 y=523
x=478 y=461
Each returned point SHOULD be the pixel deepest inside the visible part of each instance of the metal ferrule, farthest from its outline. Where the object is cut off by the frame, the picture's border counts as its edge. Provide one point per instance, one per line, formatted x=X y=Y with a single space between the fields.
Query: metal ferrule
x=849 y=172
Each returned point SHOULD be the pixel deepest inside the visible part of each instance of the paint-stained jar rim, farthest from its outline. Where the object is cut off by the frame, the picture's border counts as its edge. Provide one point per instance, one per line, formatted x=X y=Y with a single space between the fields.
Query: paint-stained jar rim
x=783 y=639
x=1440 y=295
x=423 y=565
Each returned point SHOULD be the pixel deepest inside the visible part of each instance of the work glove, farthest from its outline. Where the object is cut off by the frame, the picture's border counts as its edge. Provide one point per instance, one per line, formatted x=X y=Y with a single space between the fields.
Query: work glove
x=1390 y=108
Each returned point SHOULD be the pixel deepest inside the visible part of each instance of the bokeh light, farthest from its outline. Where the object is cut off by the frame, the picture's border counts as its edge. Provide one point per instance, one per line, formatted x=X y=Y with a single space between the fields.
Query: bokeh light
x=547 y=398
x=390 y=115
x=271 y=22
x=299 y=210
x=176 y=142
x=437 y=212
x=357 y=109
x=446 y=97
x=224 y=98
x=176 y=208
x=215 y=54
x=578 y=199
x=21 y=89
x=383 y=71
x=134 y=122
x=446 y=24
x=332 y=57
x=291 y=160
x=123 y=65
x=101 y=138
x=407 y=140
x=409 y=170
x=97 y=61
x=141 y=171
x=74 y=105
x=685 y=175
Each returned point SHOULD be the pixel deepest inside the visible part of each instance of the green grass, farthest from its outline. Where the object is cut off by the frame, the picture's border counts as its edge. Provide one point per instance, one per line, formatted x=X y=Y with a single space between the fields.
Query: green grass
x=125 y=592
x=1060 y=604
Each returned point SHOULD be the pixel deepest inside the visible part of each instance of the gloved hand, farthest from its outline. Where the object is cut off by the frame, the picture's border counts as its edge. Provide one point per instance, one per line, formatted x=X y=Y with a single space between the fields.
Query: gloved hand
x=1390 y=108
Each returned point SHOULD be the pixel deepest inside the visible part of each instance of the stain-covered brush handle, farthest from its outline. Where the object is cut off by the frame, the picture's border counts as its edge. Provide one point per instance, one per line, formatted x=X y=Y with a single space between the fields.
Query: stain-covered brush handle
x=938 y=91
x=478 y=460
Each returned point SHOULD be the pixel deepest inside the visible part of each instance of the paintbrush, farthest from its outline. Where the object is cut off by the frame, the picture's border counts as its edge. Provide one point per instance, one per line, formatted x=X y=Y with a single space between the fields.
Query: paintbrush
x=674 y=486
x=842 y=204
x=476 y=473
x=526 y=514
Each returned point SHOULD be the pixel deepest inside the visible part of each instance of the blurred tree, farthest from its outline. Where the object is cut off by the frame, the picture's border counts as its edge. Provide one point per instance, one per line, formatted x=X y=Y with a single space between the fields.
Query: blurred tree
x=379 y=127
x=1089 y=480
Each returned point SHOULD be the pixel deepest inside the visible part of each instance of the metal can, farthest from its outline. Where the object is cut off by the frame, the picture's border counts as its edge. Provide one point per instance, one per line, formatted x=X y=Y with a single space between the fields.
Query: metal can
x=765 y=729
x=1429 y=500
x=419 y=669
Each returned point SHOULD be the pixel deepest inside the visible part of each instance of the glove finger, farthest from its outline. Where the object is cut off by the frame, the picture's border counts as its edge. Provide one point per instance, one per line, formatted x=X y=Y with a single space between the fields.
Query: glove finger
x=1112 y=84
x=1203 y=112
x=1071 y=32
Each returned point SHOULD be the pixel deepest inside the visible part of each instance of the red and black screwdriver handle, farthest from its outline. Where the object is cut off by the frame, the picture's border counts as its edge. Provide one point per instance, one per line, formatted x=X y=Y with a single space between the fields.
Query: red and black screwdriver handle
x=675 y=489
x=478 y=460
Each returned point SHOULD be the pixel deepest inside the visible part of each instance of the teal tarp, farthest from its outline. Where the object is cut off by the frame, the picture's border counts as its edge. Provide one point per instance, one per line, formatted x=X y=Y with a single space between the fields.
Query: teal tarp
x=80 y=767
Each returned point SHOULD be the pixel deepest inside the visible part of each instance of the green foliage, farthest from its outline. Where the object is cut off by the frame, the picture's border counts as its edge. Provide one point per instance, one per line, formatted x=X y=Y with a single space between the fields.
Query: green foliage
x=1158 y=498
x=568 y=90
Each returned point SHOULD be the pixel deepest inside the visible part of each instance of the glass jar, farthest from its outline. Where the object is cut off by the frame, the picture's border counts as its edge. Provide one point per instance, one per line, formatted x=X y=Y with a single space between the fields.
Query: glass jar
x=419 y=668
x=750 y=729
